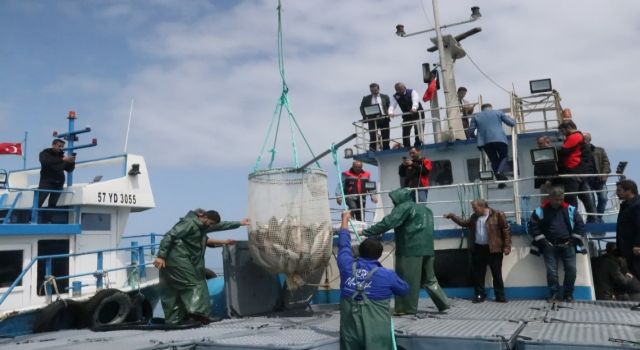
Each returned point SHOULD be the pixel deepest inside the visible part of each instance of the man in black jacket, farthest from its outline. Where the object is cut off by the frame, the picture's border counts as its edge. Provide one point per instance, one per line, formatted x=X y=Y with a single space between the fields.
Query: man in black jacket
x=53 y=165
x=628 y=226
x=378 y=122
x=611 y=280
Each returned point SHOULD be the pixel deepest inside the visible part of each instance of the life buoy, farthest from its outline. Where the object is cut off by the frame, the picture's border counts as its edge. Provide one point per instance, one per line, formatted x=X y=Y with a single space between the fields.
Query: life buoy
x=106 y=307
x=56 y=316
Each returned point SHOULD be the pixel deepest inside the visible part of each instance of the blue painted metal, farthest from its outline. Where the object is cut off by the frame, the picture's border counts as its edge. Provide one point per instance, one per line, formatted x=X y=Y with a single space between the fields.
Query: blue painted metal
x=13 y=206
x=141 y=265
x=76 y=288
x=48 y=271
x=39 y=229
x=134 y=252
x=99 y=271
x=71 y=137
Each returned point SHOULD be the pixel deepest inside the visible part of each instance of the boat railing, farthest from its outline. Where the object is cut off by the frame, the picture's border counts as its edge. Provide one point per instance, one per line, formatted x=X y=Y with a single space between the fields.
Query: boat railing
x=137 y=264
x=466 y=192
x=35 y=210
x=536 y=113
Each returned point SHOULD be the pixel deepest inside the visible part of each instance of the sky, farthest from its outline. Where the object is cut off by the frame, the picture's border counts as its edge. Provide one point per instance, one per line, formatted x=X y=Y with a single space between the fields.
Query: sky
x=203 y=77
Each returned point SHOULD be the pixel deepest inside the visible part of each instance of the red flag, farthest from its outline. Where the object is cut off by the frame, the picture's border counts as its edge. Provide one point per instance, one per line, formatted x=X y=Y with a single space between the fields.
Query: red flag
x=431 y=90
x=11 y=148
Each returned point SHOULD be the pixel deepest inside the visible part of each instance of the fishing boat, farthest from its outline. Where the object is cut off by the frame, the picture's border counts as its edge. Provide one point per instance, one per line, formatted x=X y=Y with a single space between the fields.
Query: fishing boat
x=71 y=266
x=262 y=313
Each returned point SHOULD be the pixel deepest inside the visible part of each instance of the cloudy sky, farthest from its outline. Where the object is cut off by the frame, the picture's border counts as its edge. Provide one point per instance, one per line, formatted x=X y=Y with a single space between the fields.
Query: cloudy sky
x=204 y=80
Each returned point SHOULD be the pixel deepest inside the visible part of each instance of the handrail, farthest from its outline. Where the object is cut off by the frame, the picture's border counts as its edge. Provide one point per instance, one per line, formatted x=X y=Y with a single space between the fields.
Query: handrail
x=134 y=248
x=525 y=111
x=35 y=210
x=519 y=211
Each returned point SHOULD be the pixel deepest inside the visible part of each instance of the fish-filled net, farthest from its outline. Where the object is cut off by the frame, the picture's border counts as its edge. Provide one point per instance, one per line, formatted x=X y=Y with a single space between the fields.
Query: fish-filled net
x=290 y=230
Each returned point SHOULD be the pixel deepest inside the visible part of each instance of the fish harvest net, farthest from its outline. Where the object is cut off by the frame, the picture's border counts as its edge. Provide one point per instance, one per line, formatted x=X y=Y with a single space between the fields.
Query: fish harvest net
x=290 y=230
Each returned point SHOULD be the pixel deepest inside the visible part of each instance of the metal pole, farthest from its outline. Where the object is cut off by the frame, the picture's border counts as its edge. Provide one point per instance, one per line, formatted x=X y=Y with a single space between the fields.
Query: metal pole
x=70 y=141
x=514 y=157
x=24 y=151
x=454 y=121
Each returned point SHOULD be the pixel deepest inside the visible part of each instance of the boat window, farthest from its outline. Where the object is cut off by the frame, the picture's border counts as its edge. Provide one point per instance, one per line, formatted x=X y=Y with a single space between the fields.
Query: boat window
x=10 y=267
x=59 y=266
x=96 y=221
x=473 y=169
x=441 y=174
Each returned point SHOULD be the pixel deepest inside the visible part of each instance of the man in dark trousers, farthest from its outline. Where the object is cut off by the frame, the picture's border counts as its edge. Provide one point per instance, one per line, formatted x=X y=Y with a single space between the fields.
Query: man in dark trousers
x=628 y=227
x=490 y=238
x=574 y=157
x=409 y=103
x=598 y=183
x=180 y=259
x=611 y=280
x=466 y=109
x=378 y=122
x=557 y=228
x=365 y=291
x=414 y=173
x=353 y=181
x=415 y=256
x=492 y=139
x=53 y=164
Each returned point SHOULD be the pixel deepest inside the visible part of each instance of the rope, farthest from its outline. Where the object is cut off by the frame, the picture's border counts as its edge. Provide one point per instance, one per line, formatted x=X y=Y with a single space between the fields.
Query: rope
x=486 y=75
x=50 y=279
x=282 y=101
x=334 y=155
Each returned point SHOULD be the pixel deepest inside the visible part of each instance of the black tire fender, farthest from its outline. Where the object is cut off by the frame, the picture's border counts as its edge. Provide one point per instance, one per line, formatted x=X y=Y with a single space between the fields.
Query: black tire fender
x=141 y=309
x=56 y=316
x=106 y=307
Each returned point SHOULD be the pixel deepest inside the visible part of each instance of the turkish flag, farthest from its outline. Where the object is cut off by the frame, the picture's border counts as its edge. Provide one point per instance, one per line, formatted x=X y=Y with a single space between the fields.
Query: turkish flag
x=431 y=90
x=11 y=148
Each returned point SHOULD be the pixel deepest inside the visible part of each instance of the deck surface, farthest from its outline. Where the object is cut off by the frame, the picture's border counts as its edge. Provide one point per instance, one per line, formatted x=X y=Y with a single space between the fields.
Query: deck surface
x=519 y=324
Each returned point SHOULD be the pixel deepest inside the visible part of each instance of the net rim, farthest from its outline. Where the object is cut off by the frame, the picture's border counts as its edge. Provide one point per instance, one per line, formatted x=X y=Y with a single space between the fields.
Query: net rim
x=306 y=171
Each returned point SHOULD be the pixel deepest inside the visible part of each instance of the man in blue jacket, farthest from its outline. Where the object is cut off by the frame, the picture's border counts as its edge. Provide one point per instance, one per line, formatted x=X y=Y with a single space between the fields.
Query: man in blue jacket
x=491 y=138
x=365 y=290
x=557 y=229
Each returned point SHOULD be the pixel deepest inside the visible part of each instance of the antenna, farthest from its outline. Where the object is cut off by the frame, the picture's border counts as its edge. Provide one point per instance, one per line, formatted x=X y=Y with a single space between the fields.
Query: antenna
x=126 y=138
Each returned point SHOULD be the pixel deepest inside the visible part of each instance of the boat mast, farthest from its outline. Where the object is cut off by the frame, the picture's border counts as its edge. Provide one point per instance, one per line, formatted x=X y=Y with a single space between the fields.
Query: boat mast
x=447 y=56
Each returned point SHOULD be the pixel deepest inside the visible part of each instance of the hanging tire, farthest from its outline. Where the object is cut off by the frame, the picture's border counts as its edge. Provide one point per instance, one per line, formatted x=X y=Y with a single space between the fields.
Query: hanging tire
x=107 y=307
x=57 y=316
x=141 y=309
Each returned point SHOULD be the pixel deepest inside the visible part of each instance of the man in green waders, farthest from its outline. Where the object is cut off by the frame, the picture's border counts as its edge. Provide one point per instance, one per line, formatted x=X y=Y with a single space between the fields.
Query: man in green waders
x=365 y=290
x=413 y=224
x=180 y=259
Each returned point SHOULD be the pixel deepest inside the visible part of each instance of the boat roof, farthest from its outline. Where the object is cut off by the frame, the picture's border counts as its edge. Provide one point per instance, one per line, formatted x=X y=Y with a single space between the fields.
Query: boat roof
x=529 y=324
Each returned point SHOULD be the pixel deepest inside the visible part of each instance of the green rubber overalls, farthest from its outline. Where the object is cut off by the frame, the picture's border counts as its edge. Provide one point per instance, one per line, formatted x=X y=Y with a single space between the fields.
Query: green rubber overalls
x=364 y=323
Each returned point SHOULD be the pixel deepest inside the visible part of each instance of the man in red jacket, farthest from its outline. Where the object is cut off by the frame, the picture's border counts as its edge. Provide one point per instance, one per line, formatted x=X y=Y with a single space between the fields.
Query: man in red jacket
x=574 y=157
x=354 y=181
x=414 y=173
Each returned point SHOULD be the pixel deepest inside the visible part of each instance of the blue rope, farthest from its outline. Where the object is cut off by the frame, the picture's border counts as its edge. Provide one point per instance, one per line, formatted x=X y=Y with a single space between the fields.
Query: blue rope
x=334 y=155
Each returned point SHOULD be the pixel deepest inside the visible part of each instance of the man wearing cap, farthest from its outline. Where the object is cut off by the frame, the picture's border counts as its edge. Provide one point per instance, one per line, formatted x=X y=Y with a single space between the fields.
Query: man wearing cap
x=53 y=165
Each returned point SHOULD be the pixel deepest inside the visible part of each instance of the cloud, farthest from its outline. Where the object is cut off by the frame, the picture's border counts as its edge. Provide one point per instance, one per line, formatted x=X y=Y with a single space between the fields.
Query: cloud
x=205 y=77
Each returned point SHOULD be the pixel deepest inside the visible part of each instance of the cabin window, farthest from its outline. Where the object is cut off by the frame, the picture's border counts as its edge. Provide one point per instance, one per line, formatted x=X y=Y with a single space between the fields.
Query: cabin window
x=10 y=267
x=473 y=169
x=96 y=221
x=59 y=266
x=441 y=174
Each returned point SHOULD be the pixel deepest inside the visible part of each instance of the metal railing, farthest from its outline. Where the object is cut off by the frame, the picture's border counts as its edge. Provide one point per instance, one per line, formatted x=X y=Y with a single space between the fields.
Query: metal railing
x=35 y=209
x=137 y=262
x=536 y=113
x=522 y=204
